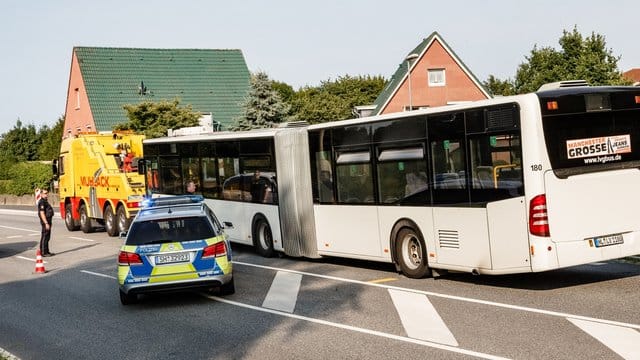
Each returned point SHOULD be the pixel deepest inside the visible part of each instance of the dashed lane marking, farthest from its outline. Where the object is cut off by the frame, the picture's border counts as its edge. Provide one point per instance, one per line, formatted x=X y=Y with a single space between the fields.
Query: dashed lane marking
x=22 y=229
x=622 y=340
x=420 y=319
x=357 y=329
x=14 y=236
x=283 y=293
x=29 y=259
x=452 y=297
x=378 y=281
x=98 y=274
x=82 y=239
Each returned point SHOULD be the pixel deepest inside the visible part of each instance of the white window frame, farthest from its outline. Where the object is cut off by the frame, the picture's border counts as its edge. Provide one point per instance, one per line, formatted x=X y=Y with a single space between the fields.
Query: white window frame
x=435 y=73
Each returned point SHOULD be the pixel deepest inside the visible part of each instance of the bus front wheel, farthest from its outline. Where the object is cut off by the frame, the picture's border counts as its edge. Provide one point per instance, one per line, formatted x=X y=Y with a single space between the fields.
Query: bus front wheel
x=262 y=237
x=411 y=254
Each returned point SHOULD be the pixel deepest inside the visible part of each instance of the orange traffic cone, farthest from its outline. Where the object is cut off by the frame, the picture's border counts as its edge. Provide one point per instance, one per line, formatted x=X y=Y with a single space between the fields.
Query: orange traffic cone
x=39 y=264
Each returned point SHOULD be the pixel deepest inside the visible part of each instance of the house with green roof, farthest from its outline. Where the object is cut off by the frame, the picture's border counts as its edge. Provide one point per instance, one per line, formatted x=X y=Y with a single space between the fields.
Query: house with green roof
x=102 y=80
x=429 y=75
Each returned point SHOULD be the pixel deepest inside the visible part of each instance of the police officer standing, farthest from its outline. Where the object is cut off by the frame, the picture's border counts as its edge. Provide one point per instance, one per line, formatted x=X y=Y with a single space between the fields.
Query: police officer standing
x=45 y=213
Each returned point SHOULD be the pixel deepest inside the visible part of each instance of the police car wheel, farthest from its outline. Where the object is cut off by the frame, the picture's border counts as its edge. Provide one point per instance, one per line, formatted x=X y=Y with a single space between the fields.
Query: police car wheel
x=228 y=288
x=128 y=299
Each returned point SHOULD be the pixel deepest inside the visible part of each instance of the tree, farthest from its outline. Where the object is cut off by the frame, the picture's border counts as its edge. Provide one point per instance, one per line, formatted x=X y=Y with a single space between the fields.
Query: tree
x=499 y=87
x=50 y=140
x=153 y=119
x=20 y=143
x=335 y=100
x=578 y=59
x=263 y=107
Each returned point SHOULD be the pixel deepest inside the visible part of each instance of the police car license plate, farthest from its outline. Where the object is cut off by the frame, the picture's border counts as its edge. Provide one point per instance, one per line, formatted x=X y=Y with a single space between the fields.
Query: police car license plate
x=172 y=258
x=601 y=241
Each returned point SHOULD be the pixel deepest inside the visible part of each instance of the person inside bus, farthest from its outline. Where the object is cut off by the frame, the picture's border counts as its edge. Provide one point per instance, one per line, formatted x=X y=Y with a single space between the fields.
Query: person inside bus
x=259 y=188
x=326 y=186
x=191 y=187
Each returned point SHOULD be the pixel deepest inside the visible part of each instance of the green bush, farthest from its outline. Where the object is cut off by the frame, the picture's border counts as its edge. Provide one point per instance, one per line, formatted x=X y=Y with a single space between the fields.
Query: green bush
x=26 y=176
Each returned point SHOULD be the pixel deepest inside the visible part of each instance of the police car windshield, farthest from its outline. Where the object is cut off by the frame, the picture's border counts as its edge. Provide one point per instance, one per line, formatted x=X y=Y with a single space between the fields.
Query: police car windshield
x=159 y=231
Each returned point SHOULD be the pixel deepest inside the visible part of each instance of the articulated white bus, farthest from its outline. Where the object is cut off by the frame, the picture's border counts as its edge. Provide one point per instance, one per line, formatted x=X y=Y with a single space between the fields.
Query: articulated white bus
x=509 y=185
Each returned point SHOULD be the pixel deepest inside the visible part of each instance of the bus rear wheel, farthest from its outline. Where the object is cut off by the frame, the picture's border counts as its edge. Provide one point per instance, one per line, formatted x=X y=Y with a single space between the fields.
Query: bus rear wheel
x=411 y=254
x=262 y=237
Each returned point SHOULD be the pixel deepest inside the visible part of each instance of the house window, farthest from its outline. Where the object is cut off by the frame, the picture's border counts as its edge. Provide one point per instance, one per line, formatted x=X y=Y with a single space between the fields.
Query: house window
x=436 y=77
x=77 y=99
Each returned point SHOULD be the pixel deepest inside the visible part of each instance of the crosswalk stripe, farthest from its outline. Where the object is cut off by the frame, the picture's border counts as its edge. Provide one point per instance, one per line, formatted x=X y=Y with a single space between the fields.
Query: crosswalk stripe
x=283 y=293
x=420 y=319
x=622 y=340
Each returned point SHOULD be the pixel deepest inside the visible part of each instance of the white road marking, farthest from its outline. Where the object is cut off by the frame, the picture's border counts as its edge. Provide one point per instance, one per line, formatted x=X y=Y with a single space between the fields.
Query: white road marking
x=452 y=297
x=22 y=229
x=14 y=236
x=420 y=319
x=98 y=274
x=357 y=329
x=622 y=340
x=78 y=238
x=283 y=293
x=25 y=258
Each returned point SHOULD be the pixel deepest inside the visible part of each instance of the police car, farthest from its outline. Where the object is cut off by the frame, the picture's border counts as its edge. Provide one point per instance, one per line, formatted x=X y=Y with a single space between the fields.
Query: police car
x=174 y=243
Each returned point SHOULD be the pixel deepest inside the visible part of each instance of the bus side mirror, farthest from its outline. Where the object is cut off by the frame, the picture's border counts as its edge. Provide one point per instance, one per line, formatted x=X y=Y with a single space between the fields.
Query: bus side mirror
x=142 y=166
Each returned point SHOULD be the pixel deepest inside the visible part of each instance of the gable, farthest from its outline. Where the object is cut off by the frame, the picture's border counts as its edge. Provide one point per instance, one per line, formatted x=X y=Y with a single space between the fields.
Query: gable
x=432 y=53
x=211 y=81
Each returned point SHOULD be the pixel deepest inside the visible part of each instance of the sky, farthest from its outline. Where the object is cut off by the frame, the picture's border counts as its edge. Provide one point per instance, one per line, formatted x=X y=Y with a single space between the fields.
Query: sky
x=297 y=42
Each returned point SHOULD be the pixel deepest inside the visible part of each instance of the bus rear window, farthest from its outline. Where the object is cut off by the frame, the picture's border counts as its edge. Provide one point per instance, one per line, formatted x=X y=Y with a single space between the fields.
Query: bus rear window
x=592 y=141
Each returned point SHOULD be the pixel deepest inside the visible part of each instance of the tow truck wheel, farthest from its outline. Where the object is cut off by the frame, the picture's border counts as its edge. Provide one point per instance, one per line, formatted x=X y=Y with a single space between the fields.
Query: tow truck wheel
x=110 y=221
x=85 y=220
x=68 y=219
x=123 y=221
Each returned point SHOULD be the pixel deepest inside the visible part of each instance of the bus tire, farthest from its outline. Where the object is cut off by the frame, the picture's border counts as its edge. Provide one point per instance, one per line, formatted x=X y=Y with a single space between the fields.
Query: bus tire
x=123 y=221
x=411 y=253
x=110 y=221
x=85 y=220
x=68 y=219
x=262 y=237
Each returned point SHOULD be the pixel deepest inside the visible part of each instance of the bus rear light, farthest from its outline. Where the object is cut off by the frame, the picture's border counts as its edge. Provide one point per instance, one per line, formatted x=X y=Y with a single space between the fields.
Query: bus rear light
x=552 y=105
x=538 y=218
x=637 y=99
x=215 y=250
x=128 y=258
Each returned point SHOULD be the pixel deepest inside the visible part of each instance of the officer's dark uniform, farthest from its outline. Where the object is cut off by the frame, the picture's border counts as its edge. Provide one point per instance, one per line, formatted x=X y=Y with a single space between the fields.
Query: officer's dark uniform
x=45 y=208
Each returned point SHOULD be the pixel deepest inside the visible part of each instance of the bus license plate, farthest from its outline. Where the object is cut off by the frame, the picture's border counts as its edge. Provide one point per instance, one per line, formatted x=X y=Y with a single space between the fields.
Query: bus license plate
x=172 y=258
x=608 y=240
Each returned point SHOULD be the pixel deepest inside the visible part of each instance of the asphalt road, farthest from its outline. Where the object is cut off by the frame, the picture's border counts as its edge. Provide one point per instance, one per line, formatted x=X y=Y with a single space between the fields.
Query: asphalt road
x=287 y=308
